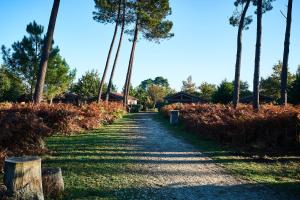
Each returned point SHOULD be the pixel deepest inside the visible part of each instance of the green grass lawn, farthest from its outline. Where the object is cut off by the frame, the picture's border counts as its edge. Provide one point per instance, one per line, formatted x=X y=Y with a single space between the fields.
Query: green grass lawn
x=94 y=164
x=281 y=173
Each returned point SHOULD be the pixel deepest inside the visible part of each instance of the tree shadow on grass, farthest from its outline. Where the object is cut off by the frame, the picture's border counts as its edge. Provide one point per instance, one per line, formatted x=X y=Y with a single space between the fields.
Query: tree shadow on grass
x=179 y=191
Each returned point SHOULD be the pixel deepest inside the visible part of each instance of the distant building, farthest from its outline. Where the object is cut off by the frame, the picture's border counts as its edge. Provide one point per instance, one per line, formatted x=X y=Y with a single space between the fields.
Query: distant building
x=77 y=100
x=68 y=98
x=114 y=96
x=183 y=97
x=262 y=99
x=24 y=98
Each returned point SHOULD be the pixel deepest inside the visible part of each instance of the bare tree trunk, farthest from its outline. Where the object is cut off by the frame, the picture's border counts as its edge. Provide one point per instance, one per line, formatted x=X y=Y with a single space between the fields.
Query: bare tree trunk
x=109 y=54
x=236 y=94
x=117 y=53
x=284 y=72
x=126 y=86
x=129 y=71
x=257 y=57
x=31 y=90
x=38 y=94
x=129 y=78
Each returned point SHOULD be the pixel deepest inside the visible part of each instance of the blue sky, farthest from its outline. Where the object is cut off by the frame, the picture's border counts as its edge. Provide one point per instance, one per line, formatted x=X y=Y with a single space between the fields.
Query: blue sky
x=204 y=45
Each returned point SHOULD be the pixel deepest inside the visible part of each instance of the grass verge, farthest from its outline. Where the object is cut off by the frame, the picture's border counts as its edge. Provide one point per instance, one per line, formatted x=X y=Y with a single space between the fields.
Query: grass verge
x=96 y=164
x=280 y=173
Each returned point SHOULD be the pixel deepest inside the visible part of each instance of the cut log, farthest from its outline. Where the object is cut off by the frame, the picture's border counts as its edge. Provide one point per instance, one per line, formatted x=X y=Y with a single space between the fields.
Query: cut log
x=23 y=177
x=53 y=183
x=3 y=190
x=174 y=117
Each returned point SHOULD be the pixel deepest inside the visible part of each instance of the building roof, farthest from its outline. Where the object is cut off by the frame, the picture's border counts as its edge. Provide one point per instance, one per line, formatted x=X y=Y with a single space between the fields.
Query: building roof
x=67 y=96
x=120 y=95
x=262 y=98
x=113 y=95
x=183 y=97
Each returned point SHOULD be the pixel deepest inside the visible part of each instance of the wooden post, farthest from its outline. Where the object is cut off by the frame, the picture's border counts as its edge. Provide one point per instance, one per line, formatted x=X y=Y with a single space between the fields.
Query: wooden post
x=23 y=177
x=53 y=183
x=174 y=117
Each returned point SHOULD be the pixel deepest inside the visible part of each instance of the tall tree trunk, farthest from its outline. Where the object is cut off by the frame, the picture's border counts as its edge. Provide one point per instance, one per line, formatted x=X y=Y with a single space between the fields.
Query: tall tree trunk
x=129 y=71
x=31 y=90
x=257 y=57
x=236 y=94
x=154 y=104
x=284 y=72
x=38 y=94
x=117 y=53
x=109 y=54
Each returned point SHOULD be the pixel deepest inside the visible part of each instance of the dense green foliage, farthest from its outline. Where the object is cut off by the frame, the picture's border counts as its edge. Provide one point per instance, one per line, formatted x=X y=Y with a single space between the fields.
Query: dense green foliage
x=23 y=58
x=151 y=17
x=22 y=61
x=207 y=90
x=59 y=77
x=294 y=91
x=224 y=92
x=159 y=89
x=270 y=86
x=11 y=87
x=151 y=92
x=87 y=85
x=106 y=11
x=156 y=94
x=189 y=86
x=159 y=81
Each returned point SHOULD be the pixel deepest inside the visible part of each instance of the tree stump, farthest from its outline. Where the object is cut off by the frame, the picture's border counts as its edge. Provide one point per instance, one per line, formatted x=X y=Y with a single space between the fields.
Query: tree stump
x=23 y=178
x=53 y=183
x=3 y=190
x=174 y=117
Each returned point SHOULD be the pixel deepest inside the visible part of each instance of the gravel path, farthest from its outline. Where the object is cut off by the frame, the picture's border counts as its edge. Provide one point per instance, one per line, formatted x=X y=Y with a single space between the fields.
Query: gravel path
x=173 y=169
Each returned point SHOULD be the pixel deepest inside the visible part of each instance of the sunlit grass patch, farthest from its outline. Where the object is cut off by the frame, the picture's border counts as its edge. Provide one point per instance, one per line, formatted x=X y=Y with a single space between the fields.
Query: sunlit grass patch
x=96 y=165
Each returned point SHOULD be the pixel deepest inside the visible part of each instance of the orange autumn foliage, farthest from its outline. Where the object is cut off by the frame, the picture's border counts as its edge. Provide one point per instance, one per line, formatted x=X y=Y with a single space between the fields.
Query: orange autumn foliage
x=24 y=126
x=272 y=128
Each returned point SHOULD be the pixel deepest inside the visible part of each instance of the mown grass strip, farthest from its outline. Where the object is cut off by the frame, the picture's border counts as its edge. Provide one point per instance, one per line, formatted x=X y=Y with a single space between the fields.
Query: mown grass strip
x=97 y=164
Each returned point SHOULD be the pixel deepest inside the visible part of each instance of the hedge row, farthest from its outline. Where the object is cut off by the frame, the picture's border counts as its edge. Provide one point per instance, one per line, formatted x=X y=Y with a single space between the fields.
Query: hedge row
x=24 y=126
x=272 y=128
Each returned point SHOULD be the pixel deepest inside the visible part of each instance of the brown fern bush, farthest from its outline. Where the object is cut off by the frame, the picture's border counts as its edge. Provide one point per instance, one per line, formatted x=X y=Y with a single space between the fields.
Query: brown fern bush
x=24 y=126
x=272 y=128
